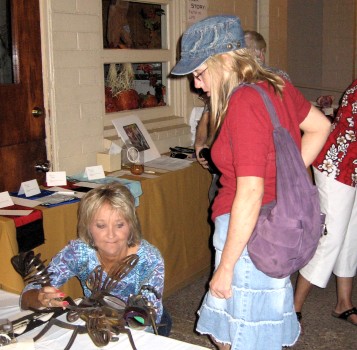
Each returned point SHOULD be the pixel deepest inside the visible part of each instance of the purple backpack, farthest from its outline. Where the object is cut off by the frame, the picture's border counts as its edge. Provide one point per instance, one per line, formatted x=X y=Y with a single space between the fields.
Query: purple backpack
x=288 y=230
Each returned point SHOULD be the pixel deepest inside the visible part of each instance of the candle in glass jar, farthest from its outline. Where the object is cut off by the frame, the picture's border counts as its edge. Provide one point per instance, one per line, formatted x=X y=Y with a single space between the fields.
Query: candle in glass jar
x=137 y=169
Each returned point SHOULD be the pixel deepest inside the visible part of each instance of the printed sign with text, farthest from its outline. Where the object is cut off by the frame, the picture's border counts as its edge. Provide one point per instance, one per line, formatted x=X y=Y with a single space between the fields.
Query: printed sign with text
x=196 y=10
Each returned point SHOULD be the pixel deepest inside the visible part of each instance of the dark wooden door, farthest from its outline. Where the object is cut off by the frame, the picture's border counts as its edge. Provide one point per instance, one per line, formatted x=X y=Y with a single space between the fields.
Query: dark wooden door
x=22 y=126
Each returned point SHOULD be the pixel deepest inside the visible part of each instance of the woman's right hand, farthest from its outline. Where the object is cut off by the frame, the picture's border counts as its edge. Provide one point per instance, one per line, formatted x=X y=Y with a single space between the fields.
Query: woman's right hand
x=200 y=159
x=42 y=298
x=220 y=285
x=51 y=297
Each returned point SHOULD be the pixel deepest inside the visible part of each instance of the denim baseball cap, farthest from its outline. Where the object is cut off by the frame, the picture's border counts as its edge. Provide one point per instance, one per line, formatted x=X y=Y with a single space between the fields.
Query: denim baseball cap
x=206 y=38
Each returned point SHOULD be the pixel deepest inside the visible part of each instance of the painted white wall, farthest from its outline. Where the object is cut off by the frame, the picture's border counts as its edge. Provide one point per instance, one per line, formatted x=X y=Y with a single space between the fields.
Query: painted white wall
x=73 y=83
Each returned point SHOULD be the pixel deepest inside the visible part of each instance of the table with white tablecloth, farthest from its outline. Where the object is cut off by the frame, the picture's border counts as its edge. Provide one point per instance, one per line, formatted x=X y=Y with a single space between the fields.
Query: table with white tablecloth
x=57 y=338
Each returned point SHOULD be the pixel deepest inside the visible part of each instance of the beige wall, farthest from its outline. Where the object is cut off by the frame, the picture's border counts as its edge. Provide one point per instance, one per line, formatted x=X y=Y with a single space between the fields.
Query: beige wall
x=313 y=40
x=278 y=34
x=245 y=9
x=321 y=47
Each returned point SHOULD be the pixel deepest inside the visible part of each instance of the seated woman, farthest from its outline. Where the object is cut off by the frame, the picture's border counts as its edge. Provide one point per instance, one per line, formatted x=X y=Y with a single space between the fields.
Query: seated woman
x=108 y=232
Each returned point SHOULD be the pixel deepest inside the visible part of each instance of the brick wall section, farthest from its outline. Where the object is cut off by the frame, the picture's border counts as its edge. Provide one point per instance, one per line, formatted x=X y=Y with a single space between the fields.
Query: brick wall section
x=76 y=83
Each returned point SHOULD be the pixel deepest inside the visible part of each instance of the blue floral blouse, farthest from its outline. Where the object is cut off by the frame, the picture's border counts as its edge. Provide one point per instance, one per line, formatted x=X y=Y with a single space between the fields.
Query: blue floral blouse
x=78 y=259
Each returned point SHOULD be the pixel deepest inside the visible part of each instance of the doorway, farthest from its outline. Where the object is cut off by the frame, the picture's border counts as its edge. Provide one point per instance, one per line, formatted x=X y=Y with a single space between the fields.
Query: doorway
x=22 y=116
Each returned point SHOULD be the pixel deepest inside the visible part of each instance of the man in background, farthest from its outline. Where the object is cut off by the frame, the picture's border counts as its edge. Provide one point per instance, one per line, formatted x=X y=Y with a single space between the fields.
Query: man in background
x=256 y=42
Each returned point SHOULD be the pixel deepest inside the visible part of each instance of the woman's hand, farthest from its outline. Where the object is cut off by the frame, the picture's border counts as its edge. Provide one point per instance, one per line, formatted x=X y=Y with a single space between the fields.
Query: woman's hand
x=200 y=159
x=43 y=297
x=221 y=283
x=243 y=218
x=51 y=297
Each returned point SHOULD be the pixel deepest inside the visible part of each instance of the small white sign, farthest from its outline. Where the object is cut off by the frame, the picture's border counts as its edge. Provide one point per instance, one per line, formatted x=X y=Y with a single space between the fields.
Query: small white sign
x=196 y=10
x=95 y=172
x=56 y=178
x=29 y=188
x=5 y=200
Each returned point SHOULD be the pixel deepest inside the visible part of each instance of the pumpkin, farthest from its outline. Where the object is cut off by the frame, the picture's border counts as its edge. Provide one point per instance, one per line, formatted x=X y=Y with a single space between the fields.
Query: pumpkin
x=110 y=104
x=148 y=100
x=127 y=99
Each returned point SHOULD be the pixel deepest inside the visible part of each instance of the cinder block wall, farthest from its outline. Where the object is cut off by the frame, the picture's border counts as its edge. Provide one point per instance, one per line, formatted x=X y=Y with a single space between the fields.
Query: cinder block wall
x=73 y=81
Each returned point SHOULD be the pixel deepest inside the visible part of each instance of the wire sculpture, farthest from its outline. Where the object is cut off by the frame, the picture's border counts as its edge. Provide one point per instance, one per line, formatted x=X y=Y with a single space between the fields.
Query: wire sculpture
x=105 y=315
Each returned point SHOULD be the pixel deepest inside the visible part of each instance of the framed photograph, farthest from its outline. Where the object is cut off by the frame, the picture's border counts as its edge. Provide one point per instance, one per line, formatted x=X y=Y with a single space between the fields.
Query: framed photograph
x=132 y=131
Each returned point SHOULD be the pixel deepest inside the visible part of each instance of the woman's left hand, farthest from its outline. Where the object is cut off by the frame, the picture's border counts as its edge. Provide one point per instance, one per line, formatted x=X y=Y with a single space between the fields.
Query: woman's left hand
x=221 y=283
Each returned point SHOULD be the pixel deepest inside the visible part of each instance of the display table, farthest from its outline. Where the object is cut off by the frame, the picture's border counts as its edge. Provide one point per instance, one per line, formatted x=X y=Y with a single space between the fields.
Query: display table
x=57 y=338
x=173 y=213
x=59 y=224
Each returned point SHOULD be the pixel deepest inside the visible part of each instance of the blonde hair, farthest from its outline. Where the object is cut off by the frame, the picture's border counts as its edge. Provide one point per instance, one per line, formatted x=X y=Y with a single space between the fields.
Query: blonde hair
x=227 y=71
x=120 y=199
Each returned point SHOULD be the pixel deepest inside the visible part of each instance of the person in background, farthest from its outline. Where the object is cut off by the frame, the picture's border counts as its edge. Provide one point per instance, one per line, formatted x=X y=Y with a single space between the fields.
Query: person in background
x=256 y=42
x=244 y=308
x=108 y=232
x=202 y=131
x=335 y=172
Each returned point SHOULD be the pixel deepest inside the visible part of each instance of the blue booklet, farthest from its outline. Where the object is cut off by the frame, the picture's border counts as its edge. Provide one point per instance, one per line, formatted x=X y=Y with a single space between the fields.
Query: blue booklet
x=49 y=198
x=132 y=185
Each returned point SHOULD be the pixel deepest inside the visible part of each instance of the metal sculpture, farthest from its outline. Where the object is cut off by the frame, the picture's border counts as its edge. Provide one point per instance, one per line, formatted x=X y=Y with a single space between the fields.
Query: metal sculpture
x=105 y=315
x=6 y=331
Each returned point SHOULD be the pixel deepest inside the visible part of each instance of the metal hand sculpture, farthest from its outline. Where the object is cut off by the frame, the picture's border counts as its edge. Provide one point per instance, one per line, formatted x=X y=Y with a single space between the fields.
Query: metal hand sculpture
x=104 y=314
x=31 y=268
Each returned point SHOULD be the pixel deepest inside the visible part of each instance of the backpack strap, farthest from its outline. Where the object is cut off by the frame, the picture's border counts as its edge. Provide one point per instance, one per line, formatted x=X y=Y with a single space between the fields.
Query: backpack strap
x=268 y=104
x=267 y=101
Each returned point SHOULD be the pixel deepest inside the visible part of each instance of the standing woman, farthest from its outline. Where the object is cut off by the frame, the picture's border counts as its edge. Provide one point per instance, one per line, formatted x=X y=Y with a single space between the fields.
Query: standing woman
x=244 y=308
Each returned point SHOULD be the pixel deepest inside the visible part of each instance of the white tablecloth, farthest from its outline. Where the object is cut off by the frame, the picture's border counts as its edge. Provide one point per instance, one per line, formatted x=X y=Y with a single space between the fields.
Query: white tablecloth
x=57 y=338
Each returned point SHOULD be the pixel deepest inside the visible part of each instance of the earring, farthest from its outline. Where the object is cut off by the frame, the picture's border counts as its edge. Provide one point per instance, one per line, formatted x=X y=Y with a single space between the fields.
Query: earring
x=130 y=239
x=91 y=242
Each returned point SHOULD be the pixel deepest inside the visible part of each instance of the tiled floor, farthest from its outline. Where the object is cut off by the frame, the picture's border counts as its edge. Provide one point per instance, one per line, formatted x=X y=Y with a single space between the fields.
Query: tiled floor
x=321 y=330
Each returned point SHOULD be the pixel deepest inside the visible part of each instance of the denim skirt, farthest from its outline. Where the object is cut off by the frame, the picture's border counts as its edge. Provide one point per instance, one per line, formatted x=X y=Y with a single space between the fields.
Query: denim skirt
x=260 y=314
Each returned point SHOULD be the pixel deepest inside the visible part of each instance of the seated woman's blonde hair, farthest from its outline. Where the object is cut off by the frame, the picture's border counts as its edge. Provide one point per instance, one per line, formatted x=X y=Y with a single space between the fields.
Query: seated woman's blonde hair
x=120 y=199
